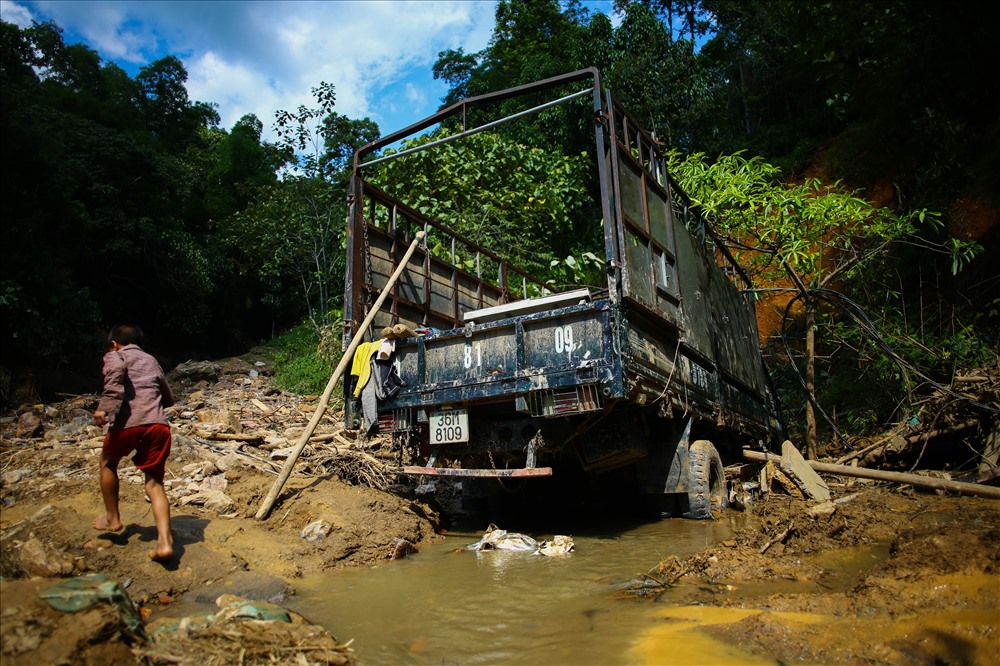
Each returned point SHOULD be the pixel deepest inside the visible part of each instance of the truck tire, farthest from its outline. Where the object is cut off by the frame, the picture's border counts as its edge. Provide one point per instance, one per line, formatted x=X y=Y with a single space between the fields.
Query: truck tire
x=708 y=481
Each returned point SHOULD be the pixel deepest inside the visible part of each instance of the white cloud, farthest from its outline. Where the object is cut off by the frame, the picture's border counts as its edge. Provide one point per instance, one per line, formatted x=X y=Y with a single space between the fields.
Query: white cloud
x=256 y=57
x=15 y=13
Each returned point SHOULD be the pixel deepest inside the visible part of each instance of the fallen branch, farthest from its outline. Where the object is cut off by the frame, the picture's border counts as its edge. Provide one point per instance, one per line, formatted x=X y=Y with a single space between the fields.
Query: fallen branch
x=777 y=539
x=894 y=477
x=861 y=452
x=229 y=436
x=912 y=439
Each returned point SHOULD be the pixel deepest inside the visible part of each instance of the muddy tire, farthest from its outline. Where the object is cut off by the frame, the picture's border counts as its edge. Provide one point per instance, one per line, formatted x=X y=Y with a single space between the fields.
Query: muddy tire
x=708 y=481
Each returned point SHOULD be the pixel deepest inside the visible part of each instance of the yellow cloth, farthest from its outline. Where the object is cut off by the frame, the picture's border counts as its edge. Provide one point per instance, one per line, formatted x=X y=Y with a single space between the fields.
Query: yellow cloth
x=361 y=367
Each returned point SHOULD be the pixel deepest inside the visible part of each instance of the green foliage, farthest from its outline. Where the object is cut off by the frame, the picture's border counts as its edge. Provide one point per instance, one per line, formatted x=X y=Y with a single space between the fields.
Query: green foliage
x=297 y=246
x=813 y=236
x=100 y=195
x=585 y=270
x=815 y=233
x=527 y=204
x=298 y=223
x=298 y=367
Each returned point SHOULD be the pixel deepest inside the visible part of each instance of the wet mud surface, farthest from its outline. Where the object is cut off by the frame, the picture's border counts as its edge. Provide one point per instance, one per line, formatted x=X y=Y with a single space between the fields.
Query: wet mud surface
x=889 y=577
x=883 y=575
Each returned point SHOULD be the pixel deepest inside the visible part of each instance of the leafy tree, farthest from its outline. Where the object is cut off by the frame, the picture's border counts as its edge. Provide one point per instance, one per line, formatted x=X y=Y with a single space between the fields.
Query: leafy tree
x=809 y=235
x=102 y=174
x=164 y=101
x=341 y=137
x=298 y=222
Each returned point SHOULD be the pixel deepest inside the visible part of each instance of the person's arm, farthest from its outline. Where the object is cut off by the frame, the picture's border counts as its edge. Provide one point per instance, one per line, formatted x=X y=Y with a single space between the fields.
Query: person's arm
x=166 y=395
x=115 y=373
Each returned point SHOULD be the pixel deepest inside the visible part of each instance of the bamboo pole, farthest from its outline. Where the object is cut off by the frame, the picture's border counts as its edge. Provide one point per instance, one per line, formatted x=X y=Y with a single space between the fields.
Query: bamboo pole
x=293 y=456
x=896 y=477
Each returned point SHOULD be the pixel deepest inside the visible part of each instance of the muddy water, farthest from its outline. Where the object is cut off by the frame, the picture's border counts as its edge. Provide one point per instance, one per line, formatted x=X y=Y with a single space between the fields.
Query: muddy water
x=448 y=605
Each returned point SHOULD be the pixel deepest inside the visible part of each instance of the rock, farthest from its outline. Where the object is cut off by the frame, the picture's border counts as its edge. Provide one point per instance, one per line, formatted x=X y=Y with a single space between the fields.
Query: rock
x=231 y=461
x=199 y=470
x=222 y=417
x=195 y=371
x=13 y=476
x=43 y=514
x=217 y=482
x=825 y=509
x=281 y=454
x=29 y=424
x=213 y=500
x=220 y=502
x=36 y=560
x=804 y=476
x=316 y=530
x=71 y=431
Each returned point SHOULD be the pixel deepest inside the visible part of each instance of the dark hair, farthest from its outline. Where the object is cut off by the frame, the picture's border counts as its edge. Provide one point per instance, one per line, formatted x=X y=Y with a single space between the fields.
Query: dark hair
x=127 y=334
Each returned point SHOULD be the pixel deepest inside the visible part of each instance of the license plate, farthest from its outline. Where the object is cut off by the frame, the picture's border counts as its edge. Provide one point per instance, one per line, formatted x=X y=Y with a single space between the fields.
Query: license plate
x=449 y=426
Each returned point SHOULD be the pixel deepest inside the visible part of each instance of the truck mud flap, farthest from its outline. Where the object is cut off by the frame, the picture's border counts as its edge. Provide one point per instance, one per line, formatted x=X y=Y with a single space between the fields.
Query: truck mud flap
x=473 y=473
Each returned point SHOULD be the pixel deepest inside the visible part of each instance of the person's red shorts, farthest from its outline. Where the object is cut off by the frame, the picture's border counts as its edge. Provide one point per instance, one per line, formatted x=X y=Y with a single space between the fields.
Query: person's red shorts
x=151 y=444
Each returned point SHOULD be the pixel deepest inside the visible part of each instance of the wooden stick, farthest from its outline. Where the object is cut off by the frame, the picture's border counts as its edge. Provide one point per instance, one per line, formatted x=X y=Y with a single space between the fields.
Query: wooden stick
x=230 y=436
x=780 y=537
x=293 y=456
x=895 y=477
x=860 y=452
x=912 y=439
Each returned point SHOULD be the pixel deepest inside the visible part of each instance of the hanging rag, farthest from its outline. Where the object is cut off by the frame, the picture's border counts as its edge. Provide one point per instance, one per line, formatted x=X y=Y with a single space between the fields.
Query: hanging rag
x=361 y=365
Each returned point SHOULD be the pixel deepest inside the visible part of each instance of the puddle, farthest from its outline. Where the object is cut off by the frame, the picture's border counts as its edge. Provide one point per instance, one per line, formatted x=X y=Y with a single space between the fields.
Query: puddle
x=447 y=605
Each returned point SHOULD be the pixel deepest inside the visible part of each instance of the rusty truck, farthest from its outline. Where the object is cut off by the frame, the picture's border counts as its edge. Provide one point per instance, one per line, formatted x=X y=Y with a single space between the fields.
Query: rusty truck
x=656 y=375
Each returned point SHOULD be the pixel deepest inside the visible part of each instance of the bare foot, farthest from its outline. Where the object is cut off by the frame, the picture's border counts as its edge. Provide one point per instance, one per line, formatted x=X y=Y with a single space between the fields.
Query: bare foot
x=102 y=524
x=161 y=553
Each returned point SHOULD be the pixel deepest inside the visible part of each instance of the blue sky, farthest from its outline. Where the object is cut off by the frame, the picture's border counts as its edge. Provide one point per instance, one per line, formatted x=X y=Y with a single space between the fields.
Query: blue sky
x=257 y=57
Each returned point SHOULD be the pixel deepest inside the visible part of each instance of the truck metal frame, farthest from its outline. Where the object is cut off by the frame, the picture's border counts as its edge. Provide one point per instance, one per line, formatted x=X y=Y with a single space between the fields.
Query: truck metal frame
x=655 y=373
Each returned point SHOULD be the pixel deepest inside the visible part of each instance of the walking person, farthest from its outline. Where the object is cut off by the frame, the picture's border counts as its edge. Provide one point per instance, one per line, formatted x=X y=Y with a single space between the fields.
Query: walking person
x=132 y=402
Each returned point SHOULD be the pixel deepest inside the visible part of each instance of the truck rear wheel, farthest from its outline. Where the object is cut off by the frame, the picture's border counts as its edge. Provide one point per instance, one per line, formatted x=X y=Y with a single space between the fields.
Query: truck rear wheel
x=708 y=481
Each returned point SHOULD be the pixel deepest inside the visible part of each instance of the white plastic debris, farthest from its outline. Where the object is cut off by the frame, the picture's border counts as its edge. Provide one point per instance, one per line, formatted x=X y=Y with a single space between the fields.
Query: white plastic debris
x=498 y=539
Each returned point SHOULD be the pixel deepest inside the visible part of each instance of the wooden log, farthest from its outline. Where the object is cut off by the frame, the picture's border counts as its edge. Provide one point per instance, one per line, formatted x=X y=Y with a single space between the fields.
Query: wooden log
x=229 y=436
x=912 y=439
x=261 y=406
x=931 y=434
x=881 y=475
x=286 y=471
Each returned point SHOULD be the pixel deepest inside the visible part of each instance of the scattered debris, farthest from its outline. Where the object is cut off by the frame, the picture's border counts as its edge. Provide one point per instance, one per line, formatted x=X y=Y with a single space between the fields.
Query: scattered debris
x=497 y=539
x=244 y=632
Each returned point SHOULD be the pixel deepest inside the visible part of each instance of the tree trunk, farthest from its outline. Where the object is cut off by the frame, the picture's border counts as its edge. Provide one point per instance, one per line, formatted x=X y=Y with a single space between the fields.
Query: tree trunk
x=812 y=447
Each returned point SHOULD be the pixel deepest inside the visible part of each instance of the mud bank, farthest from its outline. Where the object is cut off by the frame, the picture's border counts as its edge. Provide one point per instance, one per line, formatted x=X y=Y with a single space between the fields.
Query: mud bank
x=883 y=575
